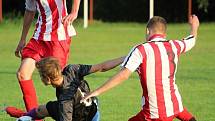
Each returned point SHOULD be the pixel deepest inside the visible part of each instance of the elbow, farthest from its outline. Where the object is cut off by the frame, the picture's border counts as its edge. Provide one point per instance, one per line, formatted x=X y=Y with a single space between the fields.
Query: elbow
x=124 y=76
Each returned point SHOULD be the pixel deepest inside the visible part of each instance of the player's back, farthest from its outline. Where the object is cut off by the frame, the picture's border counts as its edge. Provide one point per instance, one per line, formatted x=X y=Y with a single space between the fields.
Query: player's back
x=162 y=98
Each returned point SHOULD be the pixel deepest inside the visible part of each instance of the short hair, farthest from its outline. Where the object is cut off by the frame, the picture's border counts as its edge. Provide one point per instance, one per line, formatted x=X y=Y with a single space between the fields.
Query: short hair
x=157 y=24
x=49 y=69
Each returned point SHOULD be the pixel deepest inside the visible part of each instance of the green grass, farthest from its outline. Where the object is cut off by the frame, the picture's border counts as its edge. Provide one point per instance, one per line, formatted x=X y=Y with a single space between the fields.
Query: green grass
x=102 y=41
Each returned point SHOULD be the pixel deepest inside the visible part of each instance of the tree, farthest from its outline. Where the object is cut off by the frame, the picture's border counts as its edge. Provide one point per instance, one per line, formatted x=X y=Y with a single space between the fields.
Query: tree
x=203 y=4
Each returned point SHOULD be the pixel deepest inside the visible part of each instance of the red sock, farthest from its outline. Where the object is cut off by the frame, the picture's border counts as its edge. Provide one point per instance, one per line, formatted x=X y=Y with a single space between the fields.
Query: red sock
x=29 y=94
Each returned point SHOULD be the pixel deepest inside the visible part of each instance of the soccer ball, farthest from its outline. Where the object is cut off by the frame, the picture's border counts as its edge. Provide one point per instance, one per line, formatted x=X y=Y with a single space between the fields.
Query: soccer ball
x=24 y=118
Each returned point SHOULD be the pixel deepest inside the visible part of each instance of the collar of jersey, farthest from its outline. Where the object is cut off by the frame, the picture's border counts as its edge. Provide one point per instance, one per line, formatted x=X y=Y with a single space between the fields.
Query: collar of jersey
x=156 y=38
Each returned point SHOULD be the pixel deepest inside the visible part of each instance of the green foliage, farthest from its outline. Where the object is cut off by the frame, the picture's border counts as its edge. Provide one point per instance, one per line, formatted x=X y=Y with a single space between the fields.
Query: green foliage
x=130 y=10
x=102 y=41
x=203 y=4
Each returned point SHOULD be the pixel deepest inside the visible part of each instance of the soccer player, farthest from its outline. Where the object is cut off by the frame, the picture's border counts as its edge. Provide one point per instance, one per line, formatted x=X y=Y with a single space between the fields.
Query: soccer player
x=66 y=84
x=156 y=63
x=52 y=37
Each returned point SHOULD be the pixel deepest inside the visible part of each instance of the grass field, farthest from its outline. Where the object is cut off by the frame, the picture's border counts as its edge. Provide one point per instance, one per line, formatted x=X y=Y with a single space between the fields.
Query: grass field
x=102 y=41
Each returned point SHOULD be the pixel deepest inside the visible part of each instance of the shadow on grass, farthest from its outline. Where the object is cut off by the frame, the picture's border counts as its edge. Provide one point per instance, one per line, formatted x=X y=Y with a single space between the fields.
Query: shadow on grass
x=7 y=72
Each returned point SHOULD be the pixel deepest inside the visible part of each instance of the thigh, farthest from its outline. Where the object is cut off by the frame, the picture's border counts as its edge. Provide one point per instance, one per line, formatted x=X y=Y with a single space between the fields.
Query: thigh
x=32 y=50
x=97 y=116
x=57 y=49
x=64 y=52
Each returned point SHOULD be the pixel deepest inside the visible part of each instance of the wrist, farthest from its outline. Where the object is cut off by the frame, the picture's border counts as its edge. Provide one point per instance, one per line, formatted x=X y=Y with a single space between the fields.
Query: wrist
x=74 y=13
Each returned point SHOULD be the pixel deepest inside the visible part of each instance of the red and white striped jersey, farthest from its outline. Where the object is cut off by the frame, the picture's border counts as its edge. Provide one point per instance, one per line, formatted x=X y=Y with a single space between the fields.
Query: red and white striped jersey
x=49 y=25
x=156 y=63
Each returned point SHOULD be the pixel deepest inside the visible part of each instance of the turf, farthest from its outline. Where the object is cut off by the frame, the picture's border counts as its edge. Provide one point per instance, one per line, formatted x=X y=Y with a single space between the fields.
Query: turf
x=102 y=41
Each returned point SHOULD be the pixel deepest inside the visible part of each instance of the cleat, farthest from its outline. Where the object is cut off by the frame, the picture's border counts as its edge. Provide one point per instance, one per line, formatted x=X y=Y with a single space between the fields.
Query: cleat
x=14 y=112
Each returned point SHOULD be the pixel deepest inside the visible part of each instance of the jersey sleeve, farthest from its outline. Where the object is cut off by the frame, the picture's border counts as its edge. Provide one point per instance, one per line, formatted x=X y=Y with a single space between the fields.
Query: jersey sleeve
x=30 y=5
x=84 y=70
x=185 y=44
x=133 y=60
x=77 y=70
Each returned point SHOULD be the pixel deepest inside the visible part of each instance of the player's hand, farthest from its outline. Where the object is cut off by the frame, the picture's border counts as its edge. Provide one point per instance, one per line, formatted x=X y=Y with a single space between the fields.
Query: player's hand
x=88 y=96
x=69 y=18
x=194 y=25
x=19 y=48
x=194 y=21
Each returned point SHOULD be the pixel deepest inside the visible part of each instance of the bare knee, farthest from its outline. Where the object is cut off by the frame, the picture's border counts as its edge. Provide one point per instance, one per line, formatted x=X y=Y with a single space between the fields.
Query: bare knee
x=26 y=69
x=22 y=75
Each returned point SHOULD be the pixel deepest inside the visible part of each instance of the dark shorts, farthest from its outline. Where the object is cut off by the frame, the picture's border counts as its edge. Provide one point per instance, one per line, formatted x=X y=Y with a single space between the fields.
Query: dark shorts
x=60 y=110
x=37 y=49
x=64 y=110
x=52 y=107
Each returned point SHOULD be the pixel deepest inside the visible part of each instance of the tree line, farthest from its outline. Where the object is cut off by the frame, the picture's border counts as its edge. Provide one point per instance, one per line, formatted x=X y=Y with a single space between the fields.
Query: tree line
x=133 y=10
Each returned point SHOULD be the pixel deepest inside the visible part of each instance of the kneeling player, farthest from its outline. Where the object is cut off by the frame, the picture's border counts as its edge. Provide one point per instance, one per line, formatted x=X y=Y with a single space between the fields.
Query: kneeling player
x=70 y=86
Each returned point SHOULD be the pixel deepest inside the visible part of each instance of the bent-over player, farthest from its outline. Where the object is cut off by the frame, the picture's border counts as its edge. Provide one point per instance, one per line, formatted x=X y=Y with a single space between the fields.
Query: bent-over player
x=66 y=84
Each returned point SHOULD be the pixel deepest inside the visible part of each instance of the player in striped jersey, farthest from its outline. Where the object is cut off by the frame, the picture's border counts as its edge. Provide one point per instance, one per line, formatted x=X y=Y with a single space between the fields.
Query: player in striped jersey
x=52 y=37
x=156 y=63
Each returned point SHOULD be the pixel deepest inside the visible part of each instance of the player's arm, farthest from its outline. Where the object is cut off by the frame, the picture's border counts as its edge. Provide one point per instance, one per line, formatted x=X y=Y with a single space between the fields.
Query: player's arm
x=194 y=25
x=130 y=64
x=74 y=13
x=107 y=65
x=189 y=42
x=117 y=79
x=28 y=18
x=38 y=113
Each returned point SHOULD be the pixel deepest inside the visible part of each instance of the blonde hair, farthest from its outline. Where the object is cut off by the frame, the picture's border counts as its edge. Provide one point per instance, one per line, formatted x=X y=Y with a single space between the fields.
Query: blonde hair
x=49 y=70
x=157 y=24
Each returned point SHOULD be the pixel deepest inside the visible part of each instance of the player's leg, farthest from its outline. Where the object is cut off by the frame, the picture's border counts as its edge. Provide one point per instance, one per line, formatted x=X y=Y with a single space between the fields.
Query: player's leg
x=185 y=116
x=14 y=112
x=66 y=47
x=42 y=111
x=60 y=110
x=138 y=117
x=61 y=51
x=53 y=110
x=30 y=54
x=96 y=117
x=38 y=113
x=24 y=75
